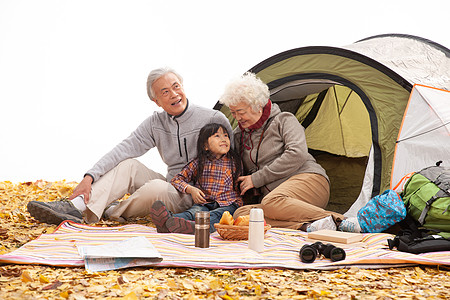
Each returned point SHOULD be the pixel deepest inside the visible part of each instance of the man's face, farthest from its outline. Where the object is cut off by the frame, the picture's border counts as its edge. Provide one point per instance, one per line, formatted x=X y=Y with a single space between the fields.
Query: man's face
x=169 y=94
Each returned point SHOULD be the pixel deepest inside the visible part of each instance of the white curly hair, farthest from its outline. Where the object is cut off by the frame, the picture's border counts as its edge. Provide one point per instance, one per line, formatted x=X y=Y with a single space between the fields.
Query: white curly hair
x=246 y=88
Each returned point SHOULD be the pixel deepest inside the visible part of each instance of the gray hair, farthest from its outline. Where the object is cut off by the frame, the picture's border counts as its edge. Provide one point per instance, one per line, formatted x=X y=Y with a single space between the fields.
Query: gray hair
x=246 y=88
x=155 y=75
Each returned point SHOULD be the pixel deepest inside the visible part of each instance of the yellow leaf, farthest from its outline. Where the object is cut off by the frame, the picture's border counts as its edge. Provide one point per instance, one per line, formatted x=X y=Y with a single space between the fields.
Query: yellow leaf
x=187 y=286
x=43 y=279
x=258 y=290
x=215 y=284
x=64 y=294
x=130 y=296
x=25 y=277
x=171 y=283
x=419 y=271
x=226 y=297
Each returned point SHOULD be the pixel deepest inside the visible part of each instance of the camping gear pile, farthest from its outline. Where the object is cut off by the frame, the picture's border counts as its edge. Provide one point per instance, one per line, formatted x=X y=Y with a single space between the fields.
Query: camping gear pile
x=420 y=211
x=426 y=228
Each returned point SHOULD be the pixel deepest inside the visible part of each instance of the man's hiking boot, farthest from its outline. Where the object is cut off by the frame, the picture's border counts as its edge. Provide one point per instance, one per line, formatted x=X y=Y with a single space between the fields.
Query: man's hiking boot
x=54 y=212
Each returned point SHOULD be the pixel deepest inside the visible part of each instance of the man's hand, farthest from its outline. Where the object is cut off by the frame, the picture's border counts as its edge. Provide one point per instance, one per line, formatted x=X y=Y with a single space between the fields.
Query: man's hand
x=246 y=183
x=197 y=194
x=83 y=188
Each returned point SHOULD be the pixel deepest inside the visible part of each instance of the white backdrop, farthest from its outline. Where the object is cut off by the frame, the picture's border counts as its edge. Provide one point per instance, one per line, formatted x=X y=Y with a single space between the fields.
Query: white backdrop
x=73 y=72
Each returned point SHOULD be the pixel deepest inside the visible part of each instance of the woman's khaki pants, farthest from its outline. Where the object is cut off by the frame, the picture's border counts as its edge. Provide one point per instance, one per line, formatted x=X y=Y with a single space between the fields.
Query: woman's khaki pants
x=300 y=199
x=145 y=187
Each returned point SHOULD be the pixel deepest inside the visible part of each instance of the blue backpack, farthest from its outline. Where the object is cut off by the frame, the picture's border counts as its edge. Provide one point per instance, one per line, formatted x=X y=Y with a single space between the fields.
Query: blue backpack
x=381 y=212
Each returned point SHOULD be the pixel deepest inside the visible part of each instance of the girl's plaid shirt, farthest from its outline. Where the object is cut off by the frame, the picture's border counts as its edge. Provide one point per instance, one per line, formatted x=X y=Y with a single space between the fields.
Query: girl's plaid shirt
x=216 y=182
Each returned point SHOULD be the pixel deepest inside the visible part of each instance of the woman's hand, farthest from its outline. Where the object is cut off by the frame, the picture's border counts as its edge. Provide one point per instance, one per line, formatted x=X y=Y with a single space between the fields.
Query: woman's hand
x=83 y=188
x=246 y=183
x=197 y=194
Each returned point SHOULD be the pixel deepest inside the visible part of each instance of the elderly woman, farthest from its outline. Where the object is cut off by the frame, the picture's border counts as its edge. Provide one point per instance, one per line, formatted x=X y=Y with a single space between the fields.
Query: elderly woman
x=272 y=144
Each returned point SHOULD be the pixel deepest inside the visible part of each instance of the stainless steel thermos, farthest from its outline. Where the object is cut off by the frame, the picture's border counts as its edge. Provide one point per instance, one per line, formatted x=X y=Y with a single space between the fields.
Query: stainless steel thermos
x=202 y=229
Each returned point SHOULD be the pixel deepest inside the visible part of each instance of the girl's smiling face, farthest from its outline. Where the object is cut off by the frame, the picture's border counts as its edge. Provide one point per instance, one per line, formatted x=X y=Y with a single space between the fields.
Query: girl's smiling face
x=218 y=143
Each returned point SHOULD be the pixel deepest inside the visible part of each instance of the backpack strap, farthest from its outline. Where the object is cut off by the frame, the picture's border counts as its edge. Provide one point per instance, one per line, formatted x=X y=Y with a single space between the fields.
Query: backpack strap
x=424 y=212
x=443 y=182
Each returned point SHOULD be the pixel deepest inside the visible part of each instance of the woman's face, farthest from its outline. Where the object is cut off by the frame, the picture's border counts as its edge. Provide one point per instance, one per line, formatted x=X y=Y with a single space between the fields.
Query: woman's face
x=244 y=114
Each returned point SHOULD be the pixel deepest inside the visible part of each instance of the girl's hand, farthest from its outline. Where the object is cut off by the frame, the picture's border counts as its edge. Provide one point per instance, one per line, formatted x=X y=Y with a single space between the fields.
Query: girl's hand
x=197 y=194
x=246 y=183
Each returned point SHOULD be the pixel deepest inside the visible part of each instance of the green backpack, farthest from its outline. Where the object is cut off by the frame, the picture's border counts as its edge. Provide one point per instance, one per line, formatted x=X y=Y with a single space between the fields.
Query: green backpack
x=426 y=195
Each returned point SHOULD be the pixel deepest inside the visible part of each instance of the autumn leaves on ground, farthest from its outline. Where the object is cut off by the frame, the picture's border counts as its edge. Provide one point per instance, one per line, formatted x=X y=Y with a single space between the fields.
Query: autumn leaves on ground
x=36 y=282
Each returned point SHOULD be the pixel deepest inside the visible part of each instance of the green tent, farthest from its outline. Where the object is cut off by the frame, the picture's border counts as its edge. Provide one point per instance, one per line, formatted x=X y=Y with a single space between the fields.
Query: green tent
x=351 y=102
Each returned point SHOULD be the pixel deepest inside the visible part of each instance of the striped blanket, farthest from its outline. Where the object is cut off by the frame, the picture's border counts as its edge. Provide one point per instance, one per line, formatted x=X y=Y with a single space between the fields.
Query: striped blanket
x=281 y=250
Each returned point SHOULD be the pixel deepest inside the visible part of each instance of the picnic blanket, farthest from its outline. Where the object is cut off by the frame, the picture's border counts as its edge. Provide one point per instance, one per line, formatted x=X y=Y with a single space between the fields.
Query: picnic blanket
x=281 y=250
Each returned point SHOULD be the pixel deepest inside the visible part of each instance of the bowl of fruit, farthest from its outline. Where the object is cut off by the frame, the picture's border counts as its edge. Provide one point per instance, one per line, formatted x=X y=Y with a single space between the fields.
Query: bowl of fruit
x=230 y=229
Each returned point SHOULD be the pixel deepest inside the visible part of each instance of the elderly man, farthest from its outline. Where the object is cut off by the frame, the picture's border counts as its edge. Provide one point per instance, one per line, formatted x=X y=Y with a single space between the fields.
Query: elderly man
x=173 y=132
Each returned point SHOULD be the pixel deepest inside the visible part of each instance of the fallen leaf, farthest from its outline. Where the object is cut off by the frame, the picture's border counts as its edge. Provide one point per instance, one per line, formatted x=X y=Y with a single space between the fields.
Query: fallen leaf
x=215 y=284
x=122 y=280
x=64 y=294
x=25 y=277
x=3 y=233
x=171 y=283
x=130 y=296
x=52 y=286
x=43 y=279
x=13 y=272
x=162 y=294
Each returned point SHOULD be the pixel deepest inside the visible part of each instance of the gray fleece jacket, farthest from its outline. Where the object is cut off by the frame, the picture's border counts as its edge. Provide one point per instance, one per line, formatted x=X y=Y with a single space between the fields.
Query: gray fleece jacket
x=282 y=153
x=174 y=137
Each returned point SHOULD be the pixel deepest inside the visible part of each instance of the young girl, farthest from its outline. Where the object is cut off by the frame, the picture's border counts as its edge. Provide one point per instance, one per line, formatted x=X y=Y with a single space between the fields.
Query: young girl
x=214 y=188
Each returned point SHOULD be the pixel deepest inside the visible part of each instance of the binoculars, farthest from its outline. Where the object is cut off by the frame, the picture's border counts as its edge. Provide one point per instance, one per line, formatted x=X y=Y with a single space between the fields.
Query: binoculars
x=308 y=253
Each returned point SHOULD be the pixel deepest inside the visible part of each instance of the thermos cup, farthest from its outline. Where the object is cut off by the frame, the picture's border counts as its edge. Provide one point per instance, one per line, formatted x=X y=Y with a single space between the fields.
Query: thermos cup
x=256 y=230
x=202 y=229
